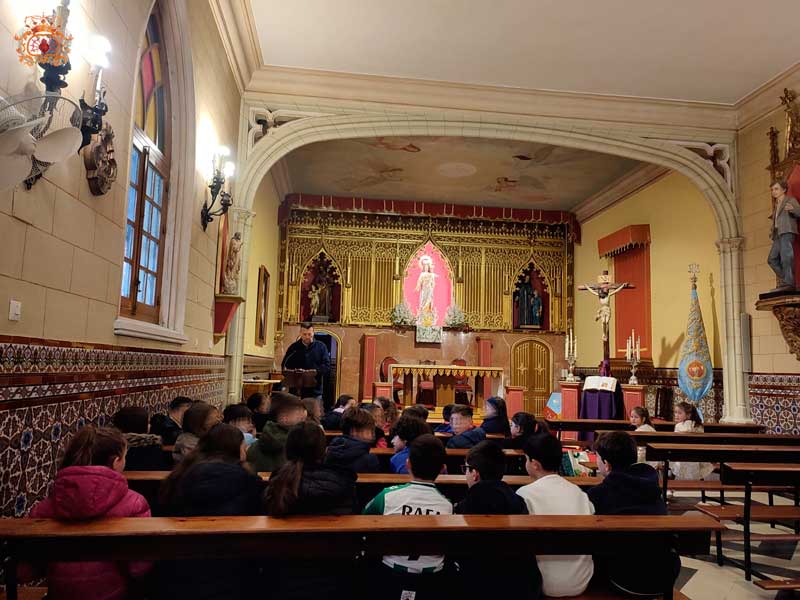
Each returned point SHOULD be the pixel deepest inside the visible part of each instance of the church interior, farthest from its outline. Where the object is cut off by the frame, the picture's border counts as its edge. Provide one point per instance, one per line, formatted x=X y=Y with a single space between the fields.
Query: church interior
x=577 y=215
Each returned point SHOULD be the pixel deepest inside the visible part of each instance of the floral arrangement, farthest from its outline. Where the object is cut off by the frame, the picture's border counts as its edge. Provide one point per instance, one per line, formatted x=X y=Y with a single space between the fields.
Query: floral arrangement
x=455 y=317
x=402 y=316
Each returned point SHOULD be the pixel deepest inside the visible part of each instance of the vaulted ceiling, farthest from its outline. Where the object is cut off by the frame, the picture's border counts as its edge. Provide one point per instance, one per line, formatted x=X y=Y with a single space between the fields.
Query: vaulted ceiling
x=461 y=170
x=706 y=51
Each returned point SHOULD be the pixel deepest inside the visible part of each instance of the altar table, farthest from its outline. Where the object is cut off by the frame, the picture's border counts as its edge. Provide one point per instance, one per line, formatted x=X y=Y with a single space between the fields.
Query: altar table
x=444 y=380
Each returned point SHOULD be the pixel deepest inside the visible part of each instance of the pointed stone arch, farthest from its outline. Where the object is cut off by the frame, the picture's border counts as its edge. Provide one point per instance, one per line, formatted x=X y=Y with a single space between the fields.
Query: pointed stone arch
x=279 y=141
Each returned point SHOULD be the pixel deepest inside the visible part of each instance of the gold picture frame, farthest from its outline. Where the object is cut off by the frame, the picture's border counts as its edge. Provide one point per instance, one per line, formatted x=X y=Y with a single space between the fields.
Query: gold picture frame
x=261 y=306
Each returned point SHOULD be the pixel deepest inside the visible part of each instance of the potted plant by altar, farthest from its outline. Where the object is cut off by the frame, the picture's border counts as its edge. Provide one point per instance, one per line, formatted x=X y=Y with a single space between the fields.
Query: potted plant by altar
x=402 y=318
x=456 y=319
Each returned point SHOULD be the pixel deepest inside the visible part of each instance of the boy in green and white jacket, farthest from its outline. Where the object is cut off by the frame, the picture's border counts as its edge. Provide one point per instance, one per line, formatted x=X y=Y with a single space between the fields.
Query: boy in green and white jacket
x=418 y=576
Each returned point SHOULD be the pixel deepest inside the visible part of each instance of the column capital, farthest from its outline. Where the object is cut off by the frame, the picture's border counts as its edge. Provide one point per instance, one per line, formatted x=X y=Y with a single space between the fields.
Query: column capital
x=731 y=244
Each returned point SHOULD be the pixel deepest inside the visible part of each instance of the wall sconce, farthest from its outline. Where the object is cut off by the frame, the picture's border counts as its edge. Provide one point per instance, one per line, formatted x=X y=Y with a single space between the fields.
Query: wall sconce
x=219 y=187
x=92 y=115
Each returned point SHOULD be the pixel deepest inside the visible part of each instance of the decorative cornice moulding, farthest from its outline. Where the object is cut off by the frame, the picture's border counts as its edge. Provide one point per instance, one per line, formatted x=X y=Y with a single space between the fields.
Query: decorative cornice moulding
x=618 y=190
x=652 y=113
x=766 y=98
x=236 y=26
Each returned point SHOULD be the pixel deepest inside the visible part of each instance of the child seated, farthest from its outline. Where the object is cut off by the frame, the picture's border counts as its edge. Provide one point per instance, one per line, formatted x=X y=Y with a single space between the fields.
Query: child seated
x=144 y=449
x=640 y=418
x=417 y=410
x=313 y=410
x=390 y=413
x=377 y=413
x=351 y=449
x=211 y=481
x=198 y=419
x=259 y=403
x=332 y=421
x=410 y=576
x=241 y=417
x=170 y=425
x=495 y=417
x=465 y=434
x=267 y=453
x=523 y=426
x=631 y=488
x=488 y=494
x=304 y=486
x=406 y=430
x=90 y=485
x=688 y=420
x=445 y=427
x=551 y=494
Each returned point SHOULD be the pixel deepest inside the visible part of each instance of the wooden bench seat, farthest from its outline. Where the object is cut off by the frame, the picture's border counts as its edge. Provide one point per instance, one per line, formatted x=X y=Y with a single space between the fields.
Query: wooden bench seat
x=501 y=536
x=774 y=585
x=736 y=512
x=643 y=438
x=28 y=593
x=591 y=425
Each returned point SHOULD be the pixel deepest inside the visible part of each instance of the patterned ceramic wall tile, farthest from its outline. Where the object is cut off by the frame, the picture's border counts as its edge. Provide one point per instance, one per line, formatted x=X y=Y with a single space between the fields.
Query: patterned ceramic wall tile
x=48 y=391
x=775 y=402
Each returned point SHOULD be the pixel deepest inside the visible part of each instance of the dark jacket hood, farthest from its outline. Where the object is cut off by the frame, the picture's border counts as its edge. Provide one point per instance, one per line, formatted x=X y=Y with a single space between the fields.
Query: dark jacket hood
x=326 y=489
x=353 y=454
x=491 y=498
x=468 y=439
x=218 y=488
x=496 y=425
x=273 y=437
x=633 y=490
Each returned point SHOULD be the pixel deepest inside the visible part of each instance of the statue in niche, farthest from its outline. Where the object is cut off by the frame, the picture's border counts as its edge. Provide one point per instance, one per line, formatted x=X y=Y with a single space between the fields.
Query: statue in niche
x=425 y=285
x=536 y=309
x=524 y=298
x=233 y=264
x=313 y=297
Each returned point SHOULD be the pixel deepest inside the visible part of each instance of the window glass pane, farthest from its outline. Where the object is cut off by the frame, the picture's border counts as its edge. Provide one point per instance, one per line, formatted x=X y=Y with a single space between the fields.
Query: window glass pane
x=151 y=173
x=153 y=263
x=126 y=279
x=158 y=190
x=145 y=251
x=155 y=222
x=151 y=290
x=142 y=287
x=134 y=165
x=146 y=218
x=132 y=204
x=129 y=234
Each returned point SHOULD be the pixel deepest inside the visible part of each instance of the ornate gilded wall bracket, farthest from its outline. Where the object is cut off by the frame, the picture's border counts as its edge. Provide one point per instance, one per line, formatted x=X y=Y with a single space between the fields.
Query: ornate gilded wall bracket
x=781 y=168
x=98 y=158
x=786 y=309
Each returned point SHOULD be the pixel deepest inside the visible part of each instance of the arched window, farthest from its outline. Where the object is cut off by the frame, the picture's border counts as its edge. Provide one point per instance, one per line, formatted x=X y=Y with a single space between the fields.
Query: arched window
x=146 y=222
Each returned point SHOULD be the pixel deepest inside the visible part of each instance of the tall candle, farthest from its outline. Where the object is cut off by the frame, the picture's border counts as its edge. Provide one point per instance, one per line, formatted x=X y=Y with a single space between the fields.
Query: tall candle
x=638 y=348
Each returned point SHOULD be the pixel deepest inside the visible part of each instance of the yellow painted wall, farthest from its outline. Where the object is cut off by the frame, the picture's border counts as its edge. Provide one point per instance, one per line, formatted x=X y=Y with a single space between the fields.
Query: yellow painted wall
x=264 y=248
x=682 y=230
x=770 y=351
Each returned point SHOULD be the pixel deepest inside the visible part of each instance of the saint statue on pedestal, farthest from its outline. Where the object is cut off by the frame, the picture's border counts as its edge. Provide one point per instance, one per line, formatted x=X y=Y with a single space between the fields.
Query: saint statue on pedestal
x=425 y=285
x=524 y=296
x=536 y=308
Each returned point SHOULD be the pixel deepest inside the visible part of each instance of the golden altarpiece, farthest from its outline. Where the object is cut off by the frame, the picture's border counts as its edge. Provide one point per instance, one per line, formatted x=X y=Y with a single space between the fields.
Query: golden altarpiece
x=366 y=256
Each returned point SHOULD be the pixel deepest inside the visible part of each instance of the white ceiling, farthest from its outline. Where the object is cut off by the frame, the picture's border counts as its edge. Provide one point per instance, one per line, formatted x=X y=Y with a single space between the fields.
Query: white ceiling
x=459 y=170
x=700 y=50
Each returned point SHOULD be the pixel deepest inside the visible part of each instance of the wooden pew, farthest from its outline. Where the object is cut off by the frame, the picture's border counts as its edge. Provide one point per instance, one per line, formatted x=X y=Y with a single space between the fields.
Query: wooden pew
x=750 y=475
x=744 y=439
x=501 y=536
x=718 y=453
x=589 y=425
x=368 y=485
x=329 y=435
x=515 y=459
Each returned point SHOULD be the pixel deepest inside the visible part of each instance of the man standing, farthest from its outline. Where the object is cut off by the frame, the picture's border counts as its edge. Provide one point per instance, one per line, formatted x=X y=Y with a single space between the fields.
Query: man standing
x=308 y=353
x=783 y=233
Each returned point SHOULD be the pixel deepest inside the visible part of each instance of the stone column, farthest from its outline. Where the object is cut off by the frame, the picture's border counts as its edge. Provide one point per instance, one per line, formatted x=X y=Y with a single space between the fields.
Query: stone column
x=241 y=220
x=734 y=379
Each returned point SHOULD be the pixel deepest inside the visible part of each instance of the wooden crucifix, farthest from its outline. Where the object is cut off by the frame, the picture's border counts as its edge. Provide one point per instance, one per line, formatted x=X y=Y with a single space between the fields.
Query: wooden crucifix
x=604 y=289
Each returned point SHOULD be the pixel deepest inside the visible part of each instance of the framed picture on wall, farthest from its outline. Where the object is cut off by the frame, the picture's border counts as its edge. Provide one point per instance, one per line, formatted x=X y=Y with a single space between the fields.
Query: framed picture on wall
x=261 y=306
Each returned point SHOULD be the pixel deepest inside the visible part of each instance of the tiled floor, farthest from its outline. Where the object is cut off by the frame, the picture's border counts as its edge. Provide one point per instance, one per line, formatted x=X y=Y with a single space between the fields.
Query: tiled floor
x=702 y=579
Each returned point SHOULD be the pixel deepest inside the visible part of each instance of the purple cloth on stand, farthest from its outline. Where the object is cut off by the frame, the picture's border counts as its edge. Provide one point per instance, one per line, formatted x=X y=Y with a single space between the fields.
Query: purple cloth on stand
x=600 y=404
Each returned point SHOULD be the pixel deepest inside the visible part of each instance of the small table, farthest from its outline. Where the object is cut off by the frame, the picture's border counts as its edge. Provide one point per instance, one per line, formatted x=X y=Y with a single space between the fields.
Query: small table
x=444 y=378
x=251 y=386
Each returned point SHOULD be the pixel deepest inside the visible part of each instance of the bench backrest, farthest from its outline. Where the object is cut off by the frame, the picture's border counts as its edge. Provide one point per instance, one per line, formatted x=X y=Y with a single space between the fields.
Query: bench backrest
x=255 y=537
x=745 y=439
x=722 y=453
x=760 y=474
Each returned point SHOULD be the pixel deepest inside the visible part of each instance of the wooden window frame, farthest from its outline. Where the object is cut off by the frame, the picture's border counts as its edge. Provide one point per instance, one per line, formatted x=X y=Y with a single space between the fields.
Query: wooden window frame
x=151 y=158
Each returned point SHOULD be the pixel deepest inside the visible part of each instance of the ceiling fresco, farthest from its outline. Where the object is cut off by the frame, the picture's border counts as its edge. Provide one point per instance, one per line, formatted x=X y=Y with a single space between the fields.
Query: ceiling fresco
x=449 y=169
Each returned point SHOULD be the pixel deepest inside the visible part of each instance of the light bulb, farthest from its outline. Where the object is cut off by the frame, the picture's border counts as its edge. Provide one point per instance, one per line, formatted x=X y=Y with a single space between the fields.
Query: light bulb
x=223 y=151
x=229 y=169
x=97 y=50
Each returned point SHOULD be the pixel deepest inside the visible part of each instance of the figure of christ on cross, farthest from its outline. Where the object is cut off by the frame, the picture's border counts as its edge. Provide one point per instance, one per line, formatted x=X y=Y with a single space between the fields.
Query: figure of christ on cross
x=604 y=289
